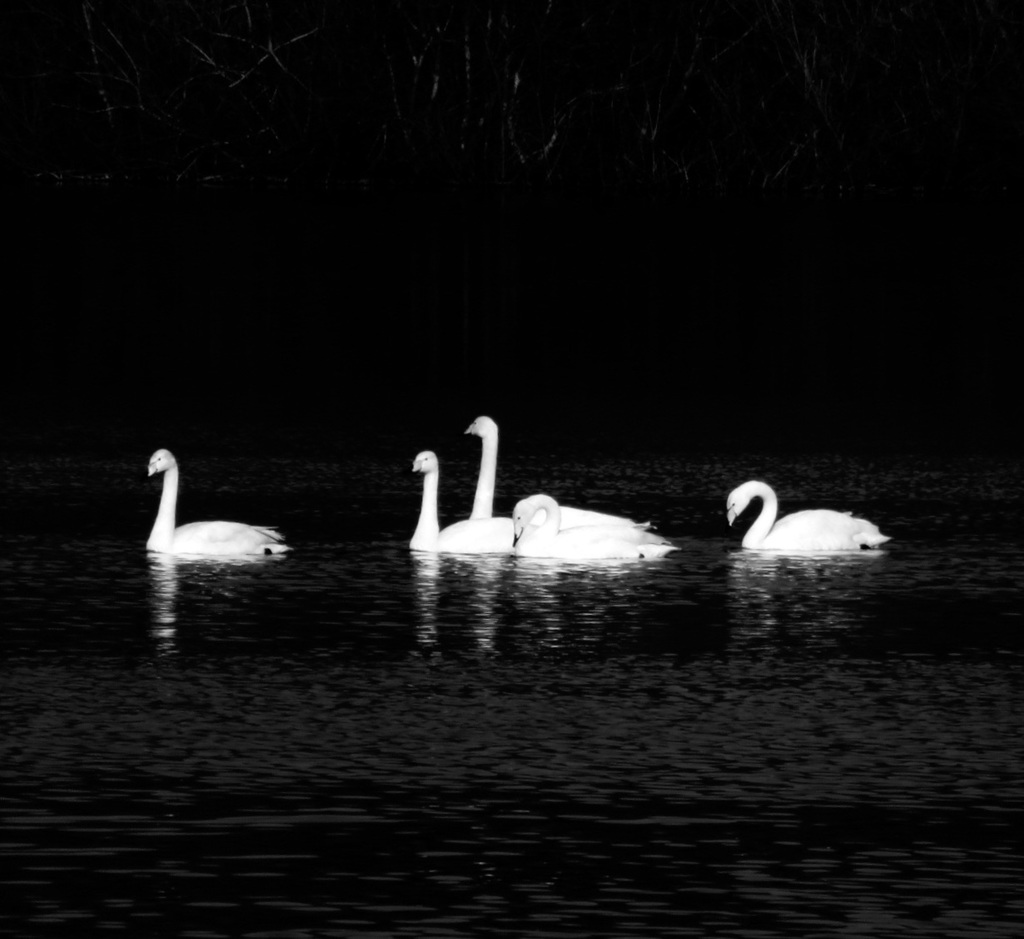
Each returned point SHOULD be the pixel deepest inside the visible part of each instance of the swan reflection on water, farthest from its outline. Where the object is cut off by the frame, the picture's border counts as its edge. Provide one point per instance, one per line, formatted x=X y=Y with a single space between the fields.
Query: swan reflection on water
x=770 y=589
x=163 y=600
x=466 y=585
x=427 y=576
x=577 y=601
x=169 y=574
x=481 y=595
x=547 y=572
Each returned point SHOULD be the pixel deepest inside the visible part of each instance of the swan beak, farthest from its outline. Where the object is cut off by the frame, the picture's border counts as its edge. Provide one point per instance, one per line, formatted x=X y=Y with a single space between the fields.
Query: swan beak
x=731 y=515
x=152 y=470
x=516 y=535
x=469 y=429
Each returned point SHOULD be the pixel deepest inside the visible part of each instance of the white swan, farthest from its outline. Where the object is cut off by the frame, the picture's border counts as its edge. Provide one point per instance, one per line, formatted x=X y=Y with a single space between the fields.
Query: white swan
x=202 y=537
x=483 y=502
x=809 y=530
x=550 y=540
x=470 y=536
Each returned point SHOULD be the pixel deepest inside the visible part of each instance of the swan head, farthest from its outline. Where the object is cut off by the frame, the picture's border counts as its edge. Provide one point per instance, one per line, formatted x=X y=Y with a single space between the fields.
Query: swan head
x=483 y=427
x=737 y=500
x=425 y=462
x=525 y=514
x=161 y=461
x=521 y=515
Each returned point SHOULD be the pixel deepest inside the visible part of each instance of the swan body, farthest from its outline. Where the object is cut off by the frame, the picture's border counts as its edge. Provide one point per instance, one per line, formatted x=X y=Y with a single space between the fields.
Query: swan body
x=549 y=539
x=483 y=501
x=809 y=530
x=470 y=536
x=223 y=538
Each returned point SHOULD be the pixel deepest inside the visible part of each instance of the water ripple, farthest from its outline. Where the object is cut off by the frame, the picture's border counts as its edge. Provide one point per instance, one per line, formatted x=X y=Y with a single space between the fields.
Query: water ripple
x=355 y=740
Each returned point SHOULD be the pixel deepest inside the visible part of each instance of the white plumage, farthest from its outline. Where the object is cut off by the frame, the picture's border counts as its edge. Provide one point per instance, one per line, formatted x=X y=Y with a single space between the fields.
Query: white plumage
x=549 y=539
x=470 y=536
x=483 y=502
x=220 y=538
x=809 y=530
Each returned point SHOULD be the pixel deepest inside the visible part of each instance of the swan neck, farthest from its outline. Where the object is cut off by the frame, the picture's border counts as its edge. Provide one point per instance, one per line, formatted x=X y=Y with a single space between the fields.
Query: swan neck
x=483 y=501
x=427 y=528
x=552 y=523
x=163 y=528
x=757 y=532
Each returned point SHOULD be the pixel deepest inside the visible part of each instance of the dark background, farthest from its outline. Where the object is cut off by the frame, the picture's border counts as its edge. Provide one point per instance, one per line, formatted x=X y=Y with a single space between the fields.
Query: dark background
x=769 y=95
x=820 y=323
x=773 y=224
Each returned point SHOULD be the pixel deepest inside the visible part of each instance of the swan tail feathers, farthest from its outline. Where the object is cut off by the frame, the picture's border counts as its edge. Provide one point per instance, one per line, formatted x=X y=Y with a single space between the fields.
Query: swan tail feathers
x=867 y=534
x=274 y=543
x=654 y=545
x=657 y=549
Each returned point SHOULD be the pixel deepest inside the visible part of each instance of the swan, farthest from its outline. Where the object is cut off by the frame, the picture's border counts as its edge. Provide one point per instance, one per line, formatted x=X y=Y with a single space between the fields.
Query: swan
x=483 y=501
x=470 y=536
x=809 y=530
x=202 y=537
x=550 y=540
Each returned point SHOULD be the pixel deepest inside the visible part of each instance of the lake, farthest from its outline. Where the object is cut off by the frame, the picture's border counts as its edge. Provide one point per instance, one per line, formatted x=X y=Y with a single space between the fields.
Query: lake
x=355 y=740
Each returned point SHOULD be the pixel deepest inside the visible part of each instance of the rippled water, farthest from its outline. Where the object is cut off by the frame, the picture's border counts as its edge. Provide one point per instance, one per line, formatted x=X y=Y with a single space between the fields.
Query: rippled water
x=355 y=741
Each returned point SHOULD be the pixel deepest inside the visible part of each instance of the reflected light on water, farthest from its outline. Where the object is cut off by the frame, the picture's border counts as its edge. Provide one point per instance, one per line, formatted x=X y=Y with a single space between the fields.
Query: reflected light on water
x=163 y=598
x=772 y=590
x=427 y=573
x=486 y=575
x=578 y=602
x=175 y=581
x=482 y=595
x=477 y=580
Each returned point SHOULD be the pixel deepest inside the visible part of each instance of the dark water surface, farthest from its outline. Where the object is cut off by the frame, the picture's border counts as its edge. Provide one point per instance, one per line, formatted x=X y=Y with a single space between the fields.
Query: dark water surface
x=354 y=741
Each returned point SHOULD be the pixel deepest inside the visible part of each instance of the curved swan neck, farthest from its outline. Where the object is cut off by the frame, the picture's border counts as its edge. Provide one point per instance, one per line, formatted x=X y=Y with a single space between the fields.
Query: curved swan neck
x=757 y=532
x=548 y=529
x=552 y=516
x=483 y=501
x=427 y=528
x=162 y=535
